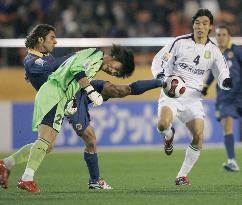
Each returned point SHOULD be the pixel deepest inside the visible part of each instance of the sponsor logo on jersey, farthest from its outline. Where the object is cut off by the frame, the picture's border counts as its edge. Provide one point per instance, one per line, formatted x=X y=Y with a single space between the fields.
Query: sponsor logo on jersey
x=207 y=54
x=191 y=69
x=166 y=57
x=86 y=65
x=39 y=61
x=230 y=55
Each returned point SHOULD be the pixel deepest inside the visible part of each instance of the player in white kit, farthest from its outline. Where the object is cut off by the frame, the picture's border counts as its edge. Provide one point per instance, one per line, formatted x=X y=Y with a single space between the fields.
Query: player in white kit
x=190 y=56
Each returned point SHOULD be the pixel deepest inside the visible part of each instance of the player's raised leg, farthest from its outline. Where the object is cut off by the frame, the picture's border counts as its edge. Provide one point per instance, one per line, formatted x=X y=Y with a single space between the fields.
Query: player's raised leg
x=164 y=127
x=196 y=128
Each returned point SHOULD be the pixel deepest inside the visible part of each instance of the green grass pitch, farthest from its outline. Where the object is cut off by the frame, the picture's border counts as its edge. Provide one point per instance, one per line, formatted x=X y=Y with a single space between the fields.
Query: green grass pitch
x=141 y=177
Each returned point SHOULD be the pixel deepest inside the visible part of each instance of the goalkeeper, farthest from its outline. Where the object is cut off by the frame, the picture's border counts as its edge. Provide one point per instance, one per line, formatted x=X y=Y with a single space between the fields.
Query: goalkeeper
x=72 y=75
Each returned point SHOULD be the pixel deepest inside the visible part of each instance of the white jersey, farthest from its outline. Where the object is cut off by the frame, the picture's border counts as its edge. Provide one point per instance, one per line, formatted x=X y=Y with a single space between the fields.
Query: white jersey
x=191 y=61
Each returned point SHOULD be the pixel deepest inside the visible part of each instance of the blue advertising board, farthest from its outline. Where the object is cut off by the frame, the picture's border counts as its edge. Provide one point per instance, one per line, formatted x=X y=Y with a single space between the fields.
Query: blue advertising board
x=116 y=123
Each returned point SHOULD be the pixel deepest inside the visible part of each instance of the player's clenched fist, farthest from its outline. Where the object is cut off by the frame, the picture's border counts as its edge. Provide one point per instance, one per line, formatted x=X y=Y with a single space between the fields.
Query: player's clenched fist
x=94 y=96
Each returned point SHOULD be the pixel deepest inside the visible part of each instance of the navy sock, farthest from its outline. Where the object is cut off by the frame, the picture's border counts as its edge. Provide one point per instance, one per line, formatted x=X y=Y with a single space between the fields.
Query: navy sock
x=92 y=164
x=229 y=145
x=141 y=86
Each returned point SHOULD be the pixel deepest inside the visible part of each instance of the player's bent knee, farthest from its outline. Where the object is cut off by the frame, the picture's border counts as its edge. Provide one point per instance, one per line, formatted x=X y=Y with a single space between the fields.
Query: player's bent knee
x=163 y=125
x=197 y=140
x=91 y=143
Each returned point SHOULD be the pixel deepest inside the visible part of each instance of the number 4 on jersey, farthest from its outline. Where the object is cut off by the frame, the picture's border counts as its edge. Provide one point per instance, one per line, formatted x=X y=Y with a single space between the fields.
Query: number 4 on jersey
x=196 y=60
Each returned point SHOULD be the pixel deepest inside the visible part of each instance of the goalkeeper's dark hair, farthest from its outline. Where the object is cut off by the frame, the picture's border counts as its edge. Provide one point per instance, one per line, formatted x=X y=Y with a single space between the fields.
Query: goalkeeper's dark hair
x=41 y=30
x=203 y=12
x=126 y=57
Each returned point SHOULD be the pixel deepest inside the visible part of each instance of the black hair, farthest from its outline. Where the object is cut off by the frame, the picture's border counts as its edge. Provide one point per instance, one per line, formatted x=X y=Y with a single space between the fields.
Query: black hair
x=126 y=57
x=203 y=12
x=224 y=26
x=41 y=30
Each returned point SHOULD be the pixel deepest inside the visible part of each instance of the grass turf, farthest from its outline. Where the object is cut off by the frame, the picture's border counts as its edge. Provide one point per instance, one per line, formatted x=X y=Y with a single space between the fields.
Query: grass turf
x=138 y=177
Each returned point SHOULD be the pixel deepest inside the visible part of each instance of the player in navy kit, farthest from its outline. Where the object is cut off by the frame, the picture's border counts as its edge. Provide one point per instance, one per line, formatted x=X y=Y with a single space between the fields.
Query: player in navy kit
x=228 y=102
x=80 y=121
x=38 y=66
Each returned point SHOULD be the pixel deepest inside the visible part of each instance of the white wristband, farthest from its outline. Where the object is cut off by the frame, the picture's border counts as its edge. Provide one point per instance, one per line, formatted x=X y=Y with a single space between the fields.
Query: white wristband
x=89 y=88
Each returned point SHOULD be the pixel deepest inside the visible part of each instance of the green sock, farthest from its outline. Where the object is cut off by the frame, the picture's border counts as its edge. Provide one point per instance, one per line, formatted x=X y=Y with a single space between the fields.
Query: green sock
x=37 y=153
x=18 y=157
x=22 y=155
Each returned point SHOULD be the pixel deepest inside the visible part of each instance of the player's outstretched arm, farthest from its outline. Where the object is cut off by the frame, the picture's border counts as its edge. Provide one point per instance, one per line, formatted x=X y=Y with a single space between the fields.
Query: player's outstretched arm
x=136 y=88
x=92 y=94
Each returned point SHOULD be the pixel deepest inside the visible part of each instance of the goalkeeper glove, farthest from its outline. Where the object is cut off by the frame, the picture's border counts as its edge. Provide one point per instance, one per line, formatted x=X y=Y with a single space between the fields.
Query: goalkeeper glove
x=71 y=108
x=93 y=95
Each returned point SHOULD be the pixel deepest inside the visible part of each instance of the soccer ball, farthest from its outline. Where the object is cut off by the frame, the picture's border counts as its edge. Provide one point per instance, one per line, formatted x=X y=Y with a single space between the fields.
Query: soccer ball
x=174 y=87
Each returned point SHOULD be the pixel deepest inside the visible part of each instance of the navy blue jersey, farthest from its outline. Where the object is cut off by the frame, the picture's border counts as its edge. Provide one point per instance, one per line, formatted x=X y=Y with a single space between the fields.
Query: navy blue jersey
x=233 y=56
x=39 y=66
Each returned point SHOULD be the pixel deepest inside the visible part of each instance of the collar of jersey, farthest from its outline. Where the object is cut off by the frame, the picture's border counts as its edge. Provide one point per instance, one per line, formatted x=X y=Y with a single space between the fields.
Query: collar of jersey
x=229 y=46
x=37 y=53
x=208 y=39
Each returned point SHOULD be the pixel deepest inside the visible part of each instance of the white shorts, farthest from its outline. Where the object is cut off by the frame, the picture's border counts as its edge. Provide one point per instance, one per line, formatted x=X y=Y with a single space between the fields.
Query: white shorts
x=185 y=108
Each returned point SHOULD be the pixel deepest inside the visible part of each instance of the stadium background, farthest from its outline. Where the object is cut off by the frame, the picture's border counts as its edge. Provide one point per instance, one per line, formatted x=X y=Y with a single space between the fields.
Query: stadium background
x=126 y=122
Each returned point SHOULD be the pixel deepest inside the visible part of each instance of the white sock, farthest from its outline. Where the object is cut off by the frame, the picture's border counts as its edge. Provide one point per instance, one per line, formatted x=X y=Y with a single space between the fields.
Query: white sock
x=167 y=133
x=192 y=155
x=9 y=162
x=28 y=175
x=231 y=160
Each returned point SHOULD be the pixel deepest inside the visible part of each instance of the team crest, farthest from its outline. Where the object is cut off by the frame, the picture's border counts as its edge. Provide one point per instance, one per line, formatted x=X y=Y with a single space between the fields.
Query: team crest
x=166 y=56
x=79 y=126
x=230 y=55
x=207 y=54
x=87 y=64
x=39 y=61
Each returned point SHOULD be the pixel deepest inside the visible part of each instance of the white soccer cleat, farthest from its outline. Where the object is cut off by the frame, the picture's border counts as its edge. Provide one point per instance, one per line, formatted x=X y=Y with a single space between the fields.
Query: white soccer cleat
x=231 y=166
x=99 y=184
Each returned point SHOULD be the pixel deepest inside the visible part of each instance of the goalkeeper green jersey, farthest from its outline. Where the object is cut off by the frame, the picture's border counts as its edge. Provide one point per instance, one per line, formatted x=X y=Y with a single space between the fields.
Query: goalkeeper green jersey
x=62 y=86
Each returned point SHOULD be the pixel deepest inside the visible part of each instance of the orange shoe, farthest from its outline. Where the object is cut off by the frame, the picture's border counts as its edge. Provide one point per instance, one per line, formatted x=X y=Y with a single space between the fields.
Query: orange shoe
x=4 y=174
x=29 y=186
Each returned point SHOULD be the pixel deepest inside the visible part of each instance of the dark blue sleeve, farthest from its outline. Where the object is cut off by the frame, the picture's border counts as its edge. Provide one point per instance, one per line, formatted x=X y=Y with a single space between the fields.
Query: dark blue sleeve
x=209 y=79
x=238 y=54
x=141 y=86
x=46 y=67
x=98 y=85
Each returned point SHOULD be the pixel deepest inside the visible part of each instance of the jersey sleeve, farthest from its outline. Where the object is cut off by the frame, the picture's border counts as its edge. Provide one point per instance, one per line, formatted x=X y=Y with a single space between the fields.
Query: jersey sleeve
x=38 y=65
x=163 y=60
x=210 y=79
x=238 y=54
x=87 y=61
x=220 y=68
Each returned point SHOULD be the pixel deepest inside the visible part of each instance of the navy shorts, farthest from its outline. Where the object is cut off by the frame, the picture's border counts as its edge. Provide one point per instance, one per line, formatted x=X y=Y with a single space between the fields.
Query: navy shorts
x=81 y=119
x=52 y=118
x=228 y=108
